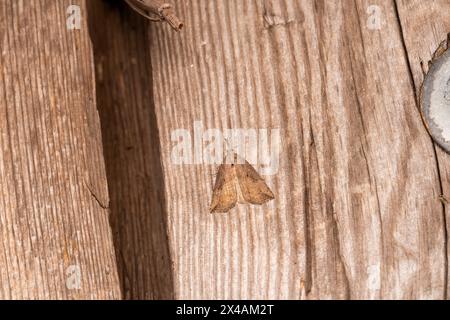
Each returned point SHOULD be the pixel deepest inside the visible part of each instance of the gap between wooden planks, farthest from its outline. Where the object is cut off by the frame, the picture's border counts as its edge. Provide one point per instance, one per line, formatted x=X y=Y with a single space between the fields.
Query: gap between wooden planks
x=131 y=147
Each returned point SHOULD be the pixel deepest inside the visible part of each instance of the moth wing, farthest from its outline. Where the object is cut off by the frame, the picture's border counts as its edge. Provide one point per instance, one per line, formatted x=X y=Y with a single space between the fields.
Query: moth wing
x=224 y=194
x=253 y=188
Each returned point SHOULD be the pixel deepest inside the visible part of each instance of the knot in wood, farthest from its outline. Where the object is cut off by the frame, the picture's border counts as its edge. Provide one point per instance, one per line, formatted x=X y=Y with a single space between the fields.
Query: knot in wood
x=435 y=97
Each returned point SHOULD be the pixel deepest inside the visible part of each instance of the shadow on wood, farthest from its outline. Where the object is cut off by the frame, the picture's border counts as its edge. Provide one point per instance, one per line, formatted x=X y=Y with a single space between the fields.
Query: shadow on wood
x=132 y=150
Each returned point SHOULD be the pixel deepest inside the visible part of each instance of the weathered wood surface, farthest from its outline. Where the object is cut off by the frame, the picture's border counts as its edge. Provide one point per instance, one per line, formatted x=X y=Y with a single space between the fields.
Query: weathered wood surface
x=131 y=145
x=357 y=211
x=425 y=25
x=53 y=193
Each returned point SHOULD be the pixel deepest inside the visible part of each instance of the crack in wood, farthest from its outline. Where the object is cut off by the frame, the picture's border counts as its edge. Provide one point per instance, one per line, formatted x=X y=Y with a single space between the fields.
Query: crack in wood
x=96 y=198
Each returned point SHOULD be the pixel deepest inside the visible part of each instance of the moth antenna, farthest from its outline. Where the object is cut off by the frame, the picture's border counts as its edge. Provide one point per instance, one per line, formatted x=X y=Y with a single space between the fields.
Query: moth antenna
x=227 y=149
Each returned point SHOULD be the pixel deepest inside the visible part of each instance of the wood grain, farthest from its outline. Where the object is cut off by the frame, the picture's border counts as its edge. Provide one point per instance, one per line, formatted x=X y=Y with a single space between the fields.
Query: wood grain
x=425 y=25
x=357 y=211
x=54 y=193
x=132 y=150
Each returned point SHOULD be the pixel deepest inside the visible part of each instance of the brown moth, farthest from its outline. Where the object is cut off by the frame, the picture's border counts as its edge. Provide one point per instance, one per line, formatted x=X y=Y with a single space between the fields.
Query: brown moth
x=238 y=182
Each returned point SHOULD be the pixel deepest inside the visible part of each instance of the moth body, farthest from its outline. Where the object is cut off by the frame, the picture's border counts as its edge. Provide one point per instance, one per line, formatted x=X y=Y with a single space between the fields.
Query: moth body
x=238 y=182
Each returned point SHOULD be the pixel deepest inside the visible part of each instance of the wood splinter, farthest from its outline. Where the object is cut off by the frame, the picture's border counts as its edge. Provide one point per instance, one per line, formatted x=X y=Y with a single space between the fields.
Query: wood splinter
x=156 y=10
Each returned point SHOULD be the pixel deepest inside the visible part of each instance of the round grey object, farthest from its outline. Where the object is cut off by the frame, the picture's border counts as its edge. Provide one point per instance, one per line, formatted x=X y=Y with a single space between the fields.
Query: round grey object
x=435 y=100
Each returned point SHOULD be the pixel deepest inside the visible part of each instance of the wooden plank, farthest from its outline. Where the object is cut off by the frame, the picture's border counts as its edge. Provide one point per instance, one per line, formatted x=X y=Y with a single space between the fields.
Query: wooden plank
x=132 y=155
x=357 y=211
x=425 y=25
x=55 y=238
